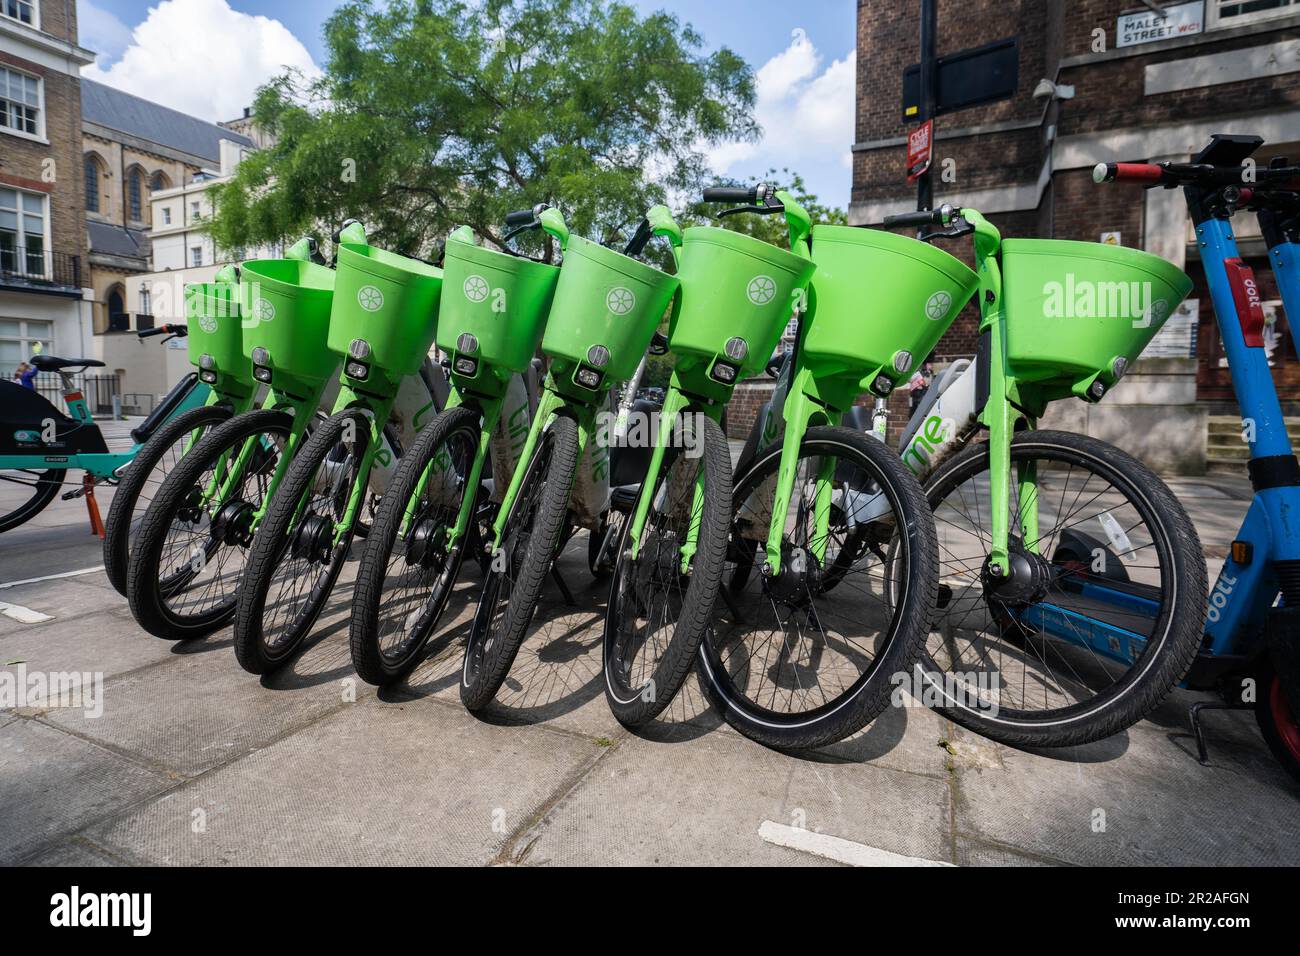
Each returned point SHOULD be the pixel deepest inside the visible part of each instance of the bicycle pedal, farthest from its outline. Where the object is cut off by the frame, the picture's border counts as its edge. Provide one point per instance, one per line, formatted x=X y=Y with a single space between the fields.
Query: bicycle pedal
x=71 y=495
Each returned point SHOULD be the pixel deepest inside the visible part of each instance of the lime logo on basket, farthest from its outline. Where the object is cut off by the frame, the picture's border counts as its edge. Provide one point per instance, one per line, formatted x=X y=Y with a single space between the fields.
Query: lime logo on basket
x=476 y=289
x=762 y=290
x=208 y=323
x=264 y=311
x=938 y=306
x=620 y=301
x=370 y=298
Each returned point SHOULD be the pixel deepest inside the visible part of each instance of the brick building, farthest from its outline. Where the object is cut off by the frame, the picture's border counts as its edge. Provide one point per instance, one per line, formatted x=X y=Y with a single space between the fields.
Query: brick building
x=42 y=232
x=1144 y=88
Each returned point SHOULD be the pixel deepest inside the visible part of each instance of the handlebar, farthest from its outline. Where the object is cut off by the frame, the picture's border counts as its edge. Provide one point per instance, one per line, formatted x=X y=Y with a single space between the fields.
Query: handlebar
x=1172 y=175
x=520 y=217
x=180 y=331
x=942 y=216
x=721 y=194
x=1128 y=173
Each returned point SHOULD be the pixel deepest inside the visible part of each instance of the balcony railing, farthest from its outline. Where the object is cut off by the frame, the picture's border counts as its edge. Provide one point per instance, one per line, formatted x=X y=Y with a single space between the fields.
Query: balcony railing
x=37 y=268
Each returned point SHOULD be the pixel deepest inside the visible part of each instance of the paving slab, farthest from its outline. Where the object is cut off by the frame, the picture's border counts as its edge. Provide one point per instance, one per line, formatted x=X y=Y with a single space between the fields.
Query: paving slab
x=76 y=853
x=414 y=783
x=103 y=645
x=52 y=784
x=1134 y=799
x=197 y=711
x=703 y=802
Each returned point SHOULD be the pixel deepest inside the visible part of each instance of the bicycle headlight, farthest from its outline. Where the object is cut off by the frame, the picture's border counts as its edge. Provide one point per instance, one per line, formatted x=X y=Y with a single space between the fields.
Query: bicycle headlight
x=262 y=374
x=208 y=377
x=883 y=386
x=464 y=365
x=588 y=378
x=358 y=370
x=1097 y=390
x=724 y=373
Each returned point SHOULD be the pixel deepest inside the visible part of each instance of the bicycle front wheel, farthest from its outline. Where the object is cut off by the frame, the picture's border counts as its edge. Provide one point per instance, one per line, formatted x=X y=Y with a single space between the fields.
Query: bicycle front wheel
x=302 y=544
x=144 y=477
x=195 y=536
x=529 y=541
x=409 y=565
x=25 y=493
x=811 y=655
x=660 y=601
x=1101 y=614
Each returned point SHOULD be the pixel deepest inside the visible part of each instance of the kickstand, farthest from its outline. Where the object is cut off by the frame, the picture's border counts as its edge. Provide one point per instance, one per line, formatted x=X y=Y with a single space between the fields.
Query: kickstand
x=1194 y=714
x=564 y=588
x=92 y=506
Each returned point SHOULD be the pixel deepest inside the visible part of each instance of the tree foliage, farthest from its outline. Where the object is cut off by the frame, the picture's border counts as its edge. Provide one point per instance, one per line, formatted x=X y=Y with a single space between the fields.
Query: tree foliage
x=434 y=113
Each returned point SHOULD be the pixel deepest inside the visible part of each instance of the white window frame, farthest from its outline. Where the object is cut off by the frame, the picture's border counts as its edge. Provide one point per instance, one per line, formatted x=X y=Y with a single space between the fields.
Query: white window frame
x=199 y=263
x=1215 y=21
x=36 y=14
x=25 y=337
x=39 y=135
x=47 y=238
x=166 y=215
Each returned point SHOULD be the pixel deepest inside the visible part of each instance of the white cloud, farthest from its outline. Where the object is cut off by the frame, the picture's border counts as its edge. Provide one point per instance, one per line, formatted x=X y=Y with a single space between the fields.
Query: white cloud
x=101 y=31
x=807 y=112
x=202 y=57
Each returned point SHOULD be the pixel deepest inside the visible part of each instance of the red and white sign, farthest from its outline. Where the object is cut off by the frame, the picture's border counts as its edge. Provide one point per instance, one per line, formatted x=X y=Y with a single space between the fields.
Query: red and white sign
x=920 y=150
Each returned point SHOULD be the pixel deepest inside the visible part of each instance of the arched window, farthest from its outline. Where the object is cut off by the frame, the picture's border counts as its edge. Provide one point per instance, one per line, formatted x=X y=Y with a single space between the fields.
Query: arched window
x=92 y=183
x=159 y=181
x=135 y=195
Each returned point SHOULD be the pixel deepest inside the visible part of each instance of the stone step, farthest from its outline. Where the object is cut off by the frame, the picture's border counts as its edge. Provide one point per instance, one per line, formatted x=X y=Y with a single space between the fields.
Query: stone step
x=1214 y=466
x=1236 y=452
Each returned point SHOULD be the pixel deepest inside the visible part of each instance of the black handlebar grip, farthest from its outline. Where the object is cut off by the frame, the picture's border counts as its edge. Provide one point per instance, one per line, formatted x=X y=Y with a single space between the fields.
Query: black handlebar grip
x=520 y=217
x=924 y=217
x=150 y=333
x=730 y=194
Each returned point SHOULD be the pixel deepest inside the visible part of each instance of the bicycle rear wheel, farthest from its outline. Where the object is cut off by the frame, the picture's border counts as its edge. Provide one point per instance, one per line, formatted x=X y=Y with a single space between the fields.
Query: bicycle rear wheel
x=144 y=477
x=809 y=656
x=658 y=611
x=1102 y=613
x=529 y=542
x=26 y=493
x=194 y=539
x=302 y=544
x=408 y=567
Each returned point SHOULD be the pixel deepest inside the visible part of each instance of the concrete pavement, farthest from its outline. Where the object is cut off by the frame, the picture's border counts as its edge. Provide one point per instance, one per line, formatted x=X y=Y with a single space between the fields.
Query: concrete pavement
x=195 y=762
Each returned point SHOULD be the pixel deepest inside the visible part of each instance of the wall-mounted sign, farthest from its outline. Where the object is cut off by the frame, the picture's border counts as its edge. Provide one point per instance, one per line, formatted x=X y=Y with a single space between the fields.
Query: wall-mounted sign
x=1112 y=239
x=969 y=78
x=920 y=150
x=1147 y=26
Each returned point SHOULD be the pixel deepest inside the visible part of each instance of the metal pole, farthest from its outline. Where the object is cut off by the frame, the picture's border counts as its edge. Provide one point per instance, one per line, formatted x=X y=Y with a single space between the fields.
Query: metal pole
x=929 y=82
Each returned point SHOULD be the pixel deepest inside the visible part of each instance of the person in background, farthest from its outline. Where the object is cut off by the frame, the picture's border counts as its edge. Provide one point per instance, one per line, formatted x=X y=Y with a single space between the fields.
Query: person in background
x=25 y=375
x=920 y=384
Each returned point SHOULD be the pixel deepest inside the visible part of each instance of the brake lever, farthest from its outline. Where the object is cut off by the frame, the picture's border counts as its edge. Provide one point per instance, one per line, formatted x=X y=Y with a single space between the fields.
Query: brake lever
x=767 y=209
x=959 y=227
x=658 y=344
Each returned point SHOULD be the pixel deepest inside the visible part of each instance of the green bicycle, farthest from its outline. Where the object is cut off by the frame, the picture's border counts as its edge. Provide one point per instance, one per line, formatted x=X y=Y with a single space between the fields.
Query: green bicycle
x=379 y=317
x=194 y=539
x=832 y=566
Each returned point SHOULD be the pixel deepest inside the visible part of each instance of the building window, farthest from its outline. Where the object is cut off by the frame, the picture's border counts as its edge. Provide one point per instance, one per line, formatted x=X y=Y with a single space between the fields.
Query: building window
x=92 y=184
x=196 y=211
x=196 y=256
x=167 y=215
x=135 y=195
x=159 y=181
x=1230 y=13
x=21 y=339
x=146 y=300
x=20 y=101
x=22 y=234
x=24 y=11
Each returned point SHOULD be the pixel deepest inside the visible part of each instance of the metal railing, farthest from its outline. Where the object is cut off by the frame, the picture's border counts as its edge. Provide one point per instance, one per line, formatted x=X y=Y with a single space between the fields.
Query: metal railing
x=35 y=267
x=98 y=389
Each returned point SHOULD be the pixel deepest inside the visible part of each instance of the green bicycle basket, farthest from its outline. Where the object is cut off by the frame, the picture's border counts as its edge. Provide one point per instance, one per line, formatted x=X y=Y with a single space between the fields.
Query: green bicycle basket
x=881 y=301
x=738 y=295
x=389 y=302
x=494 y=305
x=285 y=307
x=606 y=309
x=214 y=336
x=1077 y=312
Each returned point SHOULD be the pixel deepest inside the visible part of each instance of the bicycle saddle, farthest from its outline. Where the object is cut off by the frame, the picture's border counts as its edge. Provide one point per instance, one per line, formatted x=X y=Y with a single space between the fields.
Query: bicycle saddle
x=48 y=363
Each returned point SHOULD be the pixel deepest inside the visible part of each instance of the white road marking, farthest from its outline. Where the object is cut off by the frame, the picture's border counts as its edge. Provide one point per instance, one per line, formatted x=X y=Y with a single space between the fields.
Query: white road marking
x=51 y=577
x=23 y=615
x=834 y=848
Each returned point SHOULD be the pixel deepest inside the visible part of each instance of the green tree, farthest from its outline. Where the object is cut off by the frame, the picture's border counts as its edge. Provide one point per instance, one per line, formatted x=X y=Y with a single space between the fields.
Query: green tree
x=435 y=113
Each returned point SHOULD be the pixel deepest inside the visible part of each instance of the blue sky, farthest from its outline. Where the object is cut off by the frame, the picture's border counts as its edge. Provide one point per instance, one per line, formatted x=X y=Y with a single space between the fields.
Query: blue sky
x=802 y=54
